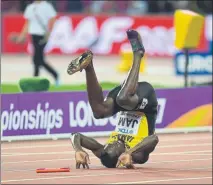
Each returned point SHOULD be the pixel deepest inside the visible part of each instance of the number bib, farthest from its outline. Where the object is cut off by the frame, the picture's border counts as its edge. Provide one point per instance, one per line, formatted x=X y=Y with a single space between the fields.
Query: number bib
x=132 y=128
x=128 y=123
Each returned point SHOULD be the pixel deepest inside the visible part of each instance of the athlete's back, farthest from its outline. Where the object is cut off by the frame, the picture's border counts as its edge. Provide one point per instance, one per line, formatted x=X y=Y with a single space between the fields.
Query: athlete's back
x=134 y=125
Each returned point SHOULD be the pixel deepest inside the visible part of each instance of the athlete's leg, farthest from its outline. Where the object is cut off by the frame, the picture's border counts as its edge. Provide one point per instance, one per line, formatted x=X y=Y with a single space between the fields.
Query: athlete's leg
x=94 y=90
x=127 y=97
x=101 y=107
x=79 y=140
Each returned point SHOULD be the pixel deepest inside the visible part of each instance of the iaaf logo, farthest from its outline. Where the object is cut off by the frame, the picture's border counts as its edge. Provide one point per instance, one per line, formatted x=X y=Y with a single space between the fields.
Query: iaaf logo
x=157 y=40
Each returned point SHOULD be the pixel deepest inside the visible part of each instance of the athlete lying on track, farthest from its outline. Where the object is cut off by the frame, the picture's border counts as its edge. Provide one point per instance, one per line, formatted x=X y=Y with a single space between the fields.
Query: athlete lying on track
x=134 y=137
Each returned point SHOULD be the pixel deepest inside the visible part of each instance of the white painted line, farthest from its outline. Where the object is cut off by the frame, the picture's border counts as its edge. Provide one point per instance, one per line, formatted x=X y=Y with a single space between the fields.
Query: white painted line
x=68 y=145
x=107 y=133
x=127 y=172
x=184 y=145
x=66 y=177
x=72 y=159
x=160 y=146
x=162 y=180
x=209 y=154
x=174 y=161
x=176 y=153
x=71 y=152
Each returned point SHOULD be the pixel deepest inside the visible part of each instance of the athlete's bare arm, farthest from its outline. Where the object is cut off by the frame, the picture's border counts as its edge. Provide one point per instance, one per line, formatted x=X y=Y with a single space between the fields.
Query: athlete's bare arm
x=78 y=141
x=127 y=97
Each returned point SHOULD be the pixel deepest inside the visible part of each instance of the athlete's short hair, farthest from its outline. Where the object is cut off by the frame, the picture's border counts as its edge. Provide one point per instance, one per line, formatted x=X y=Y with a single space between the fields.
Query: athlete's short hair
x=111 y=153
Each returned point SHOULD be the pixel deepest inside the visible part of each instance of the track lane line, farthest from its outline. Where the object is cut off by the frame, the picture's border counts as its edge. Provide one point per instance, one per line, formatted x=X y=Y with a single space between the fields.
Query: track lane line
x=96 y=175
x=72 y=159
x=64 y=145
x=162 y=180
x=70 y=152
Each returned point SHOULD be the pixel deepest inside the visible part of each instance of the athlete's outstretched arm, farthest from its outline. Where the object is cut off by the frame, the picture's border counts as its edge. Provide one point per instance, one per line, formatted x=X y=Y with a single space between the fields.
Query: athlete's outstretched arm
x=101 y=107
x=78 y=141
x=127 y=97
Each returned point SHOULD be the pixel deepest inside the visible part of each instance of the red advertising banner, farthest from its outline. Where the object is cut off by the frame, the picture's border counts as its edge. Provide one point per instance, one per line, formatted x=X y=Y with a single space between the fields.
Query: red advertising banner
x=107 y=34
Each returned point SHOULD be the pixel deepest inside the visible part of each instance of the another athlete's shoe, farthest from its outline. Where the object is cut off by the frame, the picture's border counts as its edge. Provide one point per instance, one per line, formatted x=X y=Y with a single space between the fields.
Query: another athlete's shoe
x=80 y=63
x=135 y=41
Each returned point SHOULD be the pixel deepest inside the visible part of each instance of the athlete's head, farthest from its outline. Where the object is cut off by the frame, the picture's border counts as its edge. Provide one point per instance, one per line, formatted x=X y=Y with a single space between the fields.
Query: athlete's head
x=109 y=157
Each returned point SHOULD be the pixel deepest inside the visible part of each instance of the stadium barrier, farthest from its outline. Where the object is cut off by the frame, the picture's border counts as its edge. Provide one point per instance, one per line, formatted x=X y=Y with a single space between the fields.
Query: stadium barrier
x=105 y=33
x=45 y=115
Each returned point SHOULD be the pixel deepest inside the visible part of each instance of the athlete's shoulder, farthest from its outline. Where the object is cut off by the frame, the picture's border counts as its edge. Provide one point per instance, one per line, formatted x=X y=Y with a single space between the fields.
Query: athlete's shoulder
x=114 y=92
x=145 y=84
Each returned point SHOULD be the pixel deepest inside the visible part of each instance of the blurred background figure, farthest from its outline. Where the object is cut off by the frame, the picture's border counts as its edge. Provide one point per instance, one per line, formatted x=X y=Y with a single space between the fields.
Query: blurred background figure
x=39 y=17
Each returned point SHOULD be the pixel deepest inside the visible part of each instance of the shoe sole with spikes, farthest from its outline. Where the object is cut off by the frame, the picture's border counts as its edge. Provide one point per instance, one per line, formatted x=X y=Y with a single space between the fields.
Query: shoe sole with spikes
x=80 y=63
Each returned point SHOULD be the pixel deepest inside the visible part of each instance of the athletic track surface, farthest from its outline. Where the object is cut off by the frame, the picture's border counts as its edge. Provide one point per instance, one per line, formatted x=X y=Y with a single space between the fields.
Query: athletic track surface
x=178 y=159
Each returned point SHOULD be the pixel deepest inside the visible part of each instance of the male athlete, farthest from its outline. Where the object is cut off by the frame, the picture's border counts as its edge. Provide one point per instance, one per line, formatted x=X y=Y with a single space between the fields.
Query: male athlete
x=134 y=136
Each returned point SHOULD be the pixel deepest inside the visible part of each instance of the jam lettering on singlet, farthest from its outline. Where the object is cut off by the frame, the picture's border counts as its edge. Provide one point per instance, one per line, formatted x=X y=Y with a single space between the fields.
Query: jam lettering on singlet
x=128 y=122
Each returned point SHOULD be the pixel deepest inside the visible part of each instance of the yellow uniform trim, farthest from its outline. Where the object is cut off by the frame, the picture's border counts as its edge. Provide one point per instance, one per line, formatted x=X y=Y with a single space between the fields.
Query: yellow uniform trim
x=129 y=139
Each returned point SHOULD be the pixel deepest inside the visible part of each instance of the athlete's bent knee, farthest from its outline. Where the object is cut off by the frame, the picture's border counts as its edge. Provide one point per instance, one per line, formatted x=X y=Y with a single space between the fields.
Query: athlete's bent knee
x=142 y=159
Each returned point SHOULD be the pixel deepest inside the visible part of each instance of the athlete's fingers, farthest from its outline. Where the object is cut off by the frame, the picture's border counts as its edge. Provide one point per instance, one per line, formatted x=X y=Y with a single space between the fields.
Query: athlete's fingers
x=87 y=166
x=118 y=163
x=130 y=166
x=78 y=165
x=87 y=159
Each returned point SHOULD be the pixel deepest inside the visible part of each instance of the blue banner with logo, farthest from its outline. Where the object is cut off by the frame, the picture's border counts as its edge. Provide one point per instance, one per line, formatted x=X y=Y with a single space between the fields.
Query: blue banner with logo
x=199 y=63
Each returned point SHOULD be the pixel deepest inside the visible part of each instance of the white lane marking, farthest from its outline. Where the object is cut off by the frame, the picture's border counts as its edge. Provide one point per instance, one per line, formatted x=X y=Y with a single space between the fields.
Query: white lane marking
x=97 y=175
x=63 y=145
x=184 y=145
x=102 y=168
x=70 y=152
x=65 y=177
x=160 y=146
x=210 y=154
x=162 y=180
x=72 y=159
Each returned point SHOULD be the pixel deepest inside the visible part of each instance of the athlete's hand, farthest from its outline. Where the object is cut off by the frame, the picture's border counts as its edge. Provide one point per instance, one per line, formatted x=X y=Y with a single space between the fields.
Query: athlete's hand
x=82 y=158
x=125 y=159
